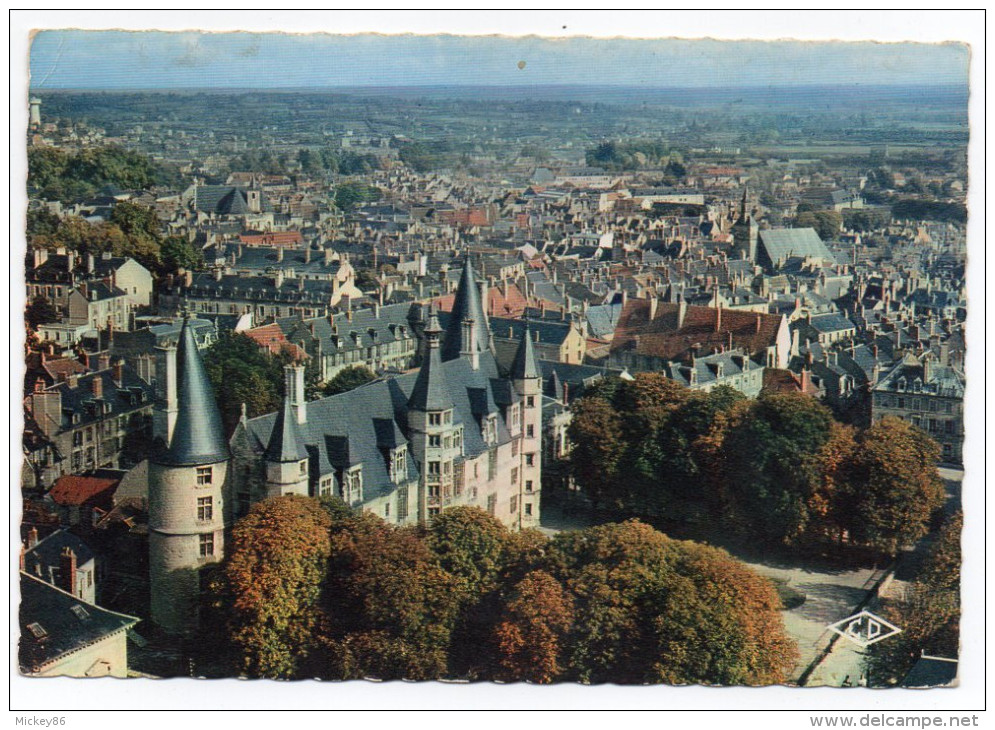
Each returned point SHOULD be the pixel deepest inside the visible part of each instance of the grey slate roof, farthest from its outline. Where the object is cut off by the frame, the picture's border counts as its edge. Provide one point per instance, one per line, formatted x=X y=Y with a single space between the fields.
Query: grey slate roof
x=69 y=624
x=132 y=395
x=198 y=437
x=603 y=318
x=43 y=559
x=526 y=364
x=355 y=427
x=781 y=244
x=259 y=259
x=466 y=305
x=285 y=443
x=430 y=392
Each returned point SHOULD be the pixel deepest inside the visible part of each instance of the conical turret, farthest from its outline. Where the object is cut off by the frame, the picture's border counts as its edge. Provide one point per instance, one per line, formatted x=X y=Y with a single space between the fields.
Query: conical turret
x=198 y=437
x=430 y=392
x=526 y=364
x=467 y=307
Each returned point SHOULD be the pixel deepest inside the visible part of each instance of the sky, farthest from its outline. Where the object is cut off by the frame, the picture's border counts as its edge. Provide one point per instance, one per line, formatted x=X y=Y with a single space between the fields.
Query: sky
x=152 y=59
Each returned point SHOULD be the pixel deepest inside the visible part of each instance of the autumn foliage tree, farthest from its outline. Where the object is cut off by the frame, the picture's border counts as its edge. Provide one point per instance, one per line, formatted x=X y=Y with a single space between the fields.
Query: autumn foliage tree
x=777 y=469
x=393 y=607
x=314 y=589
x=272 y=580
x=651 y=609
x=893 y=488
x=532 y=639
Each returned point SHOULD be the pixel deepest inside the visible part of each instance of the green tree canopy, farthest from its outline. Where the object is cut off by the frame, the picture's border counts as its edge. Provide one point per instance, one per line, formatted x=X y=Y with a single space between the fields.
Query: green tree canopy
x=348 y=379
x=241 y=372
x=893 y=486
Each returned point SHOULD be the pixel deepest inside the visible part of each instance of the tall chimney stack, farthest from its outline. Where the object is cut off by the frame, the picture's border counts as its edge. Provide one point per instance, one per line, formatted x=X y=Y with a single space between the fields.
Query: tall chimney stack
x=67 y=570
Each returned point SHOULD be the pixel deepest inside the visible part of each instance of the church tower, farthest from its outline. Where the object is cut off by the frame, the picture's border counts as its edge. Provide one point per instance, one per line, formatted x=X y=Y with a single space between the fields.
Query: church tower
x=526 y=377
x=745 y=233
x=187 y=482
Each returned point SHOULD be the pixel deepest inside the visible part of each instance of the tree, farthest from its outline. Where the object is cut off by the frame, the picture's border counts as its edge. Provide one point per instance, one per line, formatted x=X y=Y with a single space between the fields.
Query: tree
x=349 y=195
x=272 y=579
x=928 y=613
x=652 y=609
x=392 y=607
x=469 y=544
x=179 y=253
x=40 y=311
x=240 y=372
x=825 y=222
x=596 y=434
x=769 y=464
x=348 y=379
x=532 y=637
x=893 y=486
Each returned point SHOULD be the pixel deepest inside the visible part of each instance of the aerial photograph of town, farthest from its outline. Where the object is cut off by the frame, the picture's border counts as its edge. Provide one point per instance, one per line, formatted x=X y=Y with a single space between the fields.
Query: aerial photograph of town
x=502 y=360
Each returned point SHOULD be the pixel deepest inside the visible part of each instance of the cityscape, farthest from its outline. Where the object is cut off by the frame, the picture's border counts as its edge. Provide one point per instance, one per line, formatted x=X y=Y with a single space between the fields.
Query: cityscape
x=589 y=378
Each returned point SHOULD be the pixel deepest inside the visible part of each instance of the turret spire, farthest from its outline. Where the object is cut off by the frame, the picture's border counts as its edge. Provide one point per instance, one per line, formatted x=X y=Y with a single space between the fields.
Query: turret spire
x=466 y=306
x=197 y=437
x=431 y=392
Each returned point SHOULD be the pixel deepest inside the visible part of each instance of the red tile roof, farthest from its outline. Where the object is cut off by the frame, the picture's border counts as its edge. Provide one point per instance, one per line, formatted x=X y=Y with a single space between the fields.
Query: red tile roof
x=288 y=238
x=76 y=490
x=271 y=338
x=662 y=337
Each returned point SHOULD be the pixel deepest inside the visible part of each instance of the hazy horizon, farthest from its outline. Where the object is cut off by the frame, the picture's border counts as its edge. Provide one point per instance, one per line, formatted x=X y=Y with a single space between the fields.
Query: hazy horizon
x=157 y=60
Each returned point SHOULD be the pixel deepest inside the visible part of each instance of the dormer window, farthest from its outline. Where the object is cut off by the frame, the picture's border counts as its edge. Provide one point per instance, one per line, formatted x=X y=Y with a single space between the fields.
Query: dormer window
x=303 y=467
x=398 y=463
x=352 y=485
x=902 y=384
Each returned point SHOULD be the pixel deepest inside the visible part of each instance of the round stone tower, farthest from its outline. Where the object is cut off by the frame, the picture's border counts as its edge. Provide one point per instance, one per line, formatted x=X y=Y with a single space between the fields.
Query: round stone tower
x=187 y=486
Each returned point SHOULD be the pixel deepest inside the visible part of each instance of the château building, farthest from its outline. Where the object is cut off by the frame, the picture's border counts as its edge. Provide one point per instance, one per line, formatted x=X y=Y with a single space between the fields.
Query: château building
x=459 y=431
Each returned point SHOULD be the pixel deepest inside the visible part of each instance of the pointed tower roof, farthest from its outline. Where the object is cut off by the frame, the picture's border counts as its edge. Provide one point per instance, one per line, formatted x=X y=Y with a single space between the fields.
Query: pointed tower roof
x=285 y=442
x=525 y=364
x=198 y=437
x=466 y=305
x=431 y=392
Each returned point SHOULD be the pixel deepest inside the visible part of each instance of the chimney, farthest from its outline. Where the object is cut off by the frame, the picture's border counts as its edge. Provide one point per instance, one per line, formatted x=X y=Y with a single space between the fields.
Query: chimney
x=278 y=277
x=806 y=380
x=927 y=368
x=307 y=254
x=653 y=307
x=117 y=371
x=187 y=279
x=67 y=570
x=40 y=256
x=217 y=274
x=470 y=343
x=98 y=386
x=91 y=263
x=759 y=320
x=718 y=319
x=70 y=260
x=945 y=354
x=682 y=312
x=32 y=537
x=164 y=415
x=279 y=254
x=328 y=256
